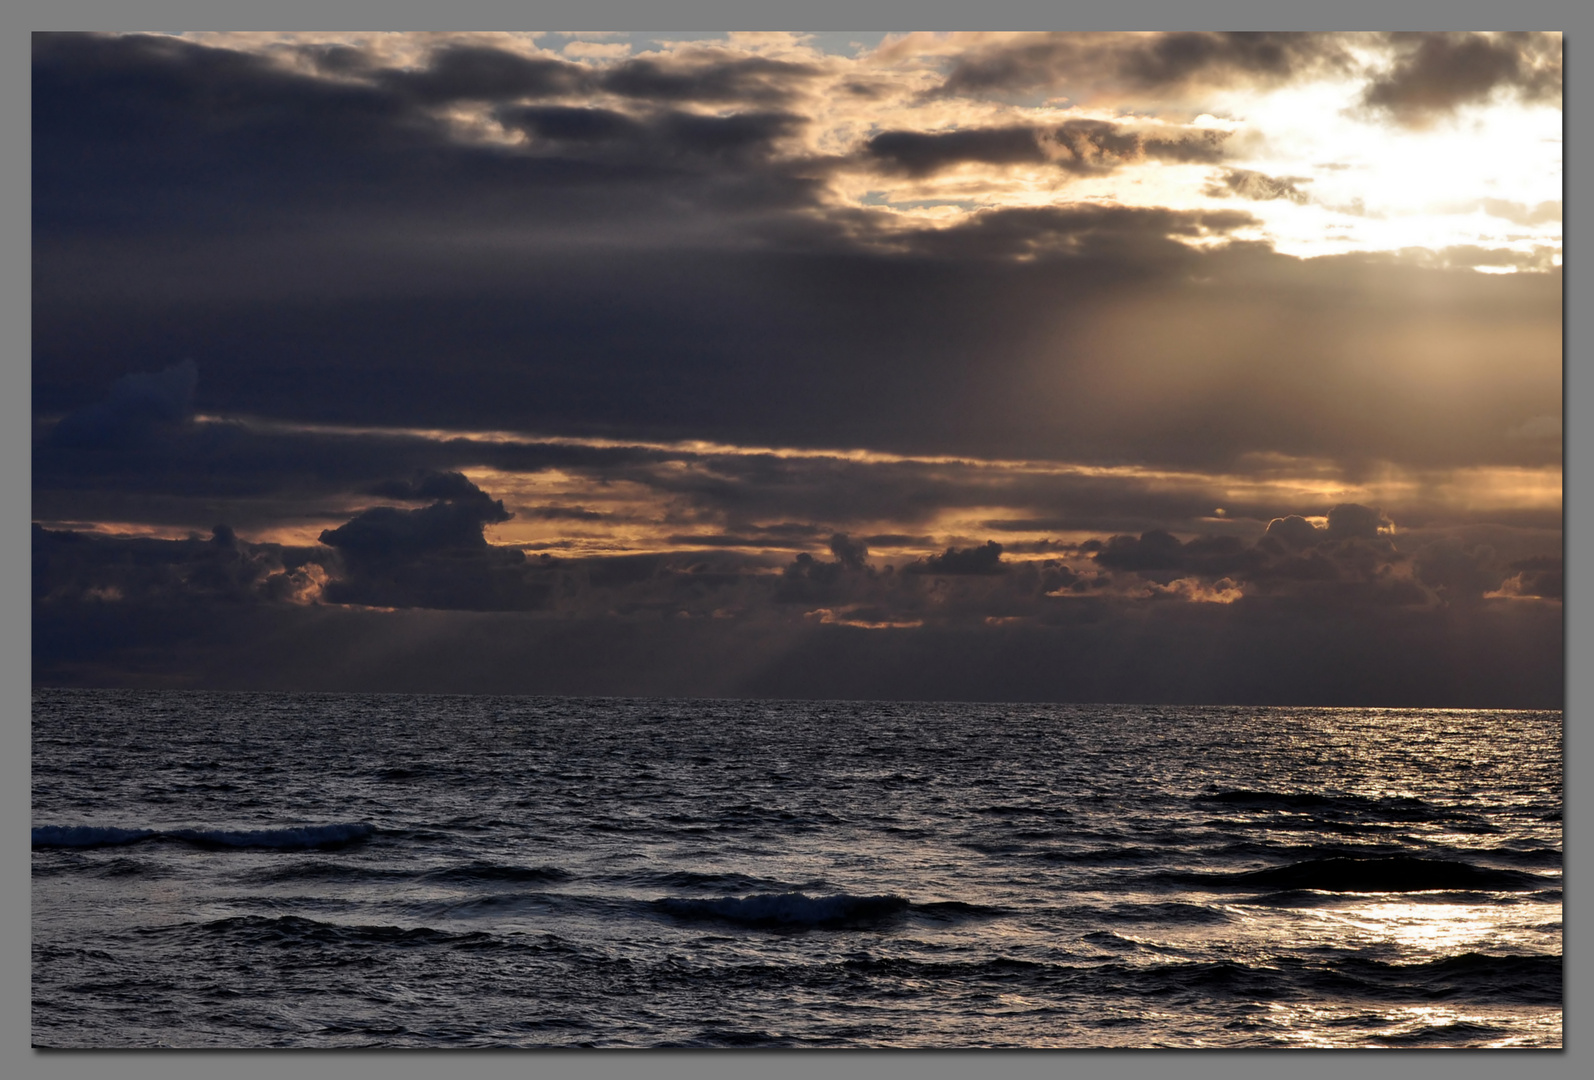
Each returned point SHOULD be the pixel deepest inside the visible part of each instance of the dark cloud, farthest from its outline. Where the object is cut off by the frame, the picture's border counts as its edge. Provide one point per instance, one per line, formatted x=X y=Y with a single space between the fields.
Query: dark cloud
x=1246 y=184
x=1082 y=147
x=853 y=554
x=916 y=153
x=1350 y=563
x=480 y=73
x=386 y=531
x=1457 y=572
x=1158 y=63
x=435 y=485
x=709 y=76
x=665 y=136
x=77 y=568
x=566 y=513
x=1351 y=521
x=984 y=559
x=143 y=132
x=435 y=556
x=1538 y=575
x=139 y=408
x=1294 y=532
x=1436 y=73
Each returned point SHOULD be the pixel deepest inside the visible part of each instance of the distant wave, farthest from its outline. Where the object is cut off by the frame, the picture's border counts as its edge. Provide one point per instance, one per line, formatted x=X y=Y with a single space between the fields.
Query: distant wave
x=794 y=910
x=294 y=838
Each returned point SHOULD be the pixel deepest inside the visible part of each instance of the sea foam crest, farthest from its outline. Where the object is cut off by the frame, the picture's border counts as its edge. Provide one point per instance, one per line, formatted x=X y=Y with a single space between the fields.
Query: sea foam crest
x=295 y=838
x=792 y=909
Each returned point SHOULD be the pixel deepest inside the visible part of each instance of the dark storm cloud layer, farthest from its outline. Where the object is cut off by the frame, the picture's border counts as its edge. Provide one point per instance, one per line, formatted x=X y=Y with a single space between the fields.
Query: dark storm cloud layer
x=1285 y=651
x=650 y=250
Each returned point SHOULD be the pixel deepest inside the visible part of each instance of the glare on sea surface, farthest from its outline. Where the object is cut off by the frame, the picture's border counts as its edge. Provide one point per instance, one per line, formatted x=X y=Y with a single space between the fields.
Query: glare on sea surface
x=1324 y=1027
x=1436 y=927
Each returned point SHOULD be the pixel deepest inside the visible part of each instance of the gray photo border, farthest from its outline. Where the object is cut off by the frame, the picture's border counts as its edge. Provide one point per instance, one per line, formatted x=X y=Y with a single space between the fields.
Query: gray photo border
x=21 y=18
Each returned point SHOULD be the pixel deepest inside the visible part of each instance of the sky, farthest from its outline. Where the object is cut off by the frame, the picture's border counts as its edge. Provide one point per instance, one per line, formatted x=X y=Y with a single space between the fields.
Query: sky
x=1184 y=367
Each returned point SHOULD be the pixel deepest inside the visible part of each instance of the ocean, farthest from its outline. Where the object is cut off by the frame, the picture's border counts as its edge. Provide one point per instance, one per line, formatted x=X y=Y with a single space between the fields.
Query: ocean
x=297 y=870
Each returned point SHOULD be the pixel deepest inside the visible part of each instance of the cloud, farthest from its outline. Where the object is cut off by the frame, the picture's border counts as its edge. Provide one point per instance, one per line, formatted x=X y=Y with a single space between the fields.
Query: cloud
x=1538 y=576
x=479 y=73
x=710 y=76
x=853 y=554
x=1457 y=572
x=1350 y=521
x=984 y=559
x=1436 y=73
x=1162 y=63
x=1258 y=186
x=73 y=568
x=455 y=520
x=666 y=136
x=1522 y=214
x=1082 y=147
x=140 y=407
x=435 y=556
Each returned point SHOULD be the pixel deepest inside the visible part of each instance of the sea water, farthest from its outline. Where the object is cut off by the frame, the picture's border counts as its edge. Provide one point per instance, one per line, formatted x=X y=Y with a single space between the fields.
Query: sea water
x=258 y=870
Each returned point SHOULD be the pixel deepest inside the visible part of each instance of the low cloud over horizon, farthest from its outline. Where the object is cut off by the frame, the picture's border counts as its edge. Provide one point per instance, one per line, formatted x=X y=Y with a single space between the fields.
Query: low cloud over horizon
x=1023 y=367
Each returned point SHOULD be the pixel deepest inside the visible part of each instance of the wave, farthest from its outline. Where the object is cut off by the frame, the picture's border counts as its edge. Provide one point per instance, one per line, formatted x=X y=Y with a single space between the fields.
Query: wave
x=787 y=910
x=1457 y=1033
x=294 y=838
x=1525 y=979
x=723 y=882
x=481 y=871
x=1388 y=808
x=1397 y=874
x=295 y=929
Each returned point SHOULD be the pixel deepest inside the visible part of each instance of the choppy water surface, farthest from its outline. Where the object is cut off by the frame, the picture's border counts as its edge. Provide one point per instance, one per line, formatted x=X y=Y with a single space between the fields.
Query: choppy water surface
x=306 y=870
